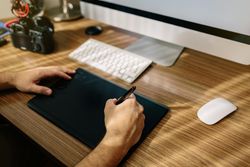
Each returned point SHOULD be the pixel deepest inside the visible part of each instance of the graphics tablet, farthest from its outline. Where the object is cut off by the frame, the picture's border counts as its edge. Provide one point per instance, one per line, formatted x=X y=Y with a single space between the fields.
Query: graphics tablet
x=77 y=107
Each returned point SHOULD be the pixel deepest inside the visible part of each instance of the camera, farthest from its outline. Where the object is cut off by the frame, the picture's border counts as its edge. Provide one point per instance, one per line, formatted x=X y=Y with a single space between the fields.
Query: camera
x=33 y=34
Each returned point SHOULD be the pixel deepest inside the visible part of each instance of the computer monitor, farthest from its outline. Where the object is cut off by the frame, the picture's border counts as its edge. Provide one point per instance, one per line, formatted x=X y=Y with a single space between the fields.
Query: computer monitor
x=217 y=27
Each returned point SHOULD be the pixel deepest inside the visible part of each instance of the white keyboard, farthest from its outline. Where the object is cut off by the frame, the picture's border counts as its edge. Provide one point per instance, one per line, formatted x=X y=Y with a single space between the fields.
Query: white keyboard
x=117 y=62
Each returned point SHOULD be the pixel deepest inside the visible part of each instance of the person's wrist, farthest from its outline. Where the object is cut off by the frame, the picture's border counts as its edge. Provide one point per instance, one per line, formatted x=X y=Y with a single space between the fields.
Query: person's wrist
x=11 y=76
x=116 y=142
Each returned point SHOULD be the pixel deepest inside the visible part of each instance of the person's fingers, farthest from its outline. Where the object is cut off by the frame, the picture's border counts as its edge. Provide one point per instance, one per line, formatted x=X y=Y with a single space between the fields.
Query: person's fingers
x=63 y=75
x=114 y=100
x=129 y=102
x=110 y=103
x=53 y=73
x=139 y=128
x=140 y=108
x=141 y=123
x=40 y=89
x=63 y=69
x=68 y=71
x=132 y=96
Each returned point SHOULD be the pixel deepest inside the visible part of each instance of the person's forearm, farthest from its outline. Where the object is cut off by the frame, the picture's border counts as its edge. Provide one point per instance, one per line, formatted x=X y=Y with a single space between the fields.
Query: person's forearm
x=6 y=79
x=104 y=155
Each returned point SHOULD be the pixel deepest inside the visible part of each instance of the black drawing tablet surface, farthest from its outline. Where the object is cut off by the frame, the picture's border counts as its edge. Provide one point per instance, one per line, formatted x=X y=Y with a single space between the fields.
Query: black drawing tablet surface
x=76 y=106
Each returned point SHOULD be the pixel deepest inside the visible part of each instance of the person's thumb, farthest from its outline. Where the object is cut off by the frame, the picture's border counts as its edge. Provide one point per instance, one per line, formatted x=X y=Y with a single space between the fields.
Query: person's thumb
x=110 y=103
x=41 y=90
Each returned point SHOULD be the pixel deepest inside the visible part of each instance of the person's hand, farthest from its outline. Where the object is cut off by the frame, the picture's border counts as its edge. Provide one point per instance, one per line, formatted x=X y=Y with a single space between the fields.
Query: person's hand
x=27 y=81
x=124 y=122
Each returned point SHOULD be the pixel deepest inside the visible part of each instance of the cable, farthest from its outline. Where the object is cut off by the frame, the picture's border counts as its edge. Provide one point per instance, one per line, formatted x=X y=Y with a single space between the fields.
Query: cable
x=20 y=9
x=8 y=24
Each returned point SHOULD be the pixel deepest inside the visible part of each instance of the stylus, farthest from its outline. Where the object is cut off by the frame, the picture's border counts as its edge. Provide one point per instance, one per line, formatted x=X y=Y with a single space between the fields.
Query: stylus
x=126 y=95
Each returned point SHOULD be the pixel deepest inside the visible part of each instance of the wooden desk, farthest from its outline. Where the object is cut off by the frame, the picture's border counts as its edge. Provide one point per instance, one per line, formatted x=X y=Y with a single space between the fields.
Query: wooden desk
x=180 y=139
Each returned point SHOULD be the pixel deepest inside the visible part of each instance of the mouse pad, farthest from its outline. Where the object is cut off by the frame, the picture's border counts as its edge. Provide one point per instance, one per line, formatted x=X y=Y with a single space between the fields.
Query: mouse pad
x=77 y=107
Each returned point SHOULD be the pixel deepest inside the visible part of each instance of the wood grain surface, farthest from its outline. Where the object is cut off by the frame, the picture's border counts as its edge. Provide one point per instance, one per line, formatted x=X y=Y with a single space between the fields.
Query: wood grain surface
x=180 y=139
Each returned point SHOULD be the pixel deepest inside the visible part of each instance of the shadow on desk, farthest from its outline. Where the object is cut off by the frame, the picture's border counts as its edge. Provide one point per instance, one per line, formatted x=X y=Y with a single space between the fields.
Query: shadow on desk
x=68 y=40
x=71 y=39
x=17 y=150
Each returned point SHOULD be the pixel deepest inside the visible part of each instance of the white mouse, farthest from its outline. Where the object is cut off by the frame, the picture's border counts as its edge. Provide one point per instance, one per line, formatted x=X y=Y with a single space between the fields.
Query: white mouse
x=215 y=110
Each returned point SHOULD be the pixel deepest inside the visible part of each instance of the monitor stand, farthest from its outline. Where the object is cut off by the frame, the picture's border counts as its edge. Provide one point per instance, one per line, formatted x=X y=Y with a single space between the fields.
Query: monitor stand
x=66 y=11
x=160 y=52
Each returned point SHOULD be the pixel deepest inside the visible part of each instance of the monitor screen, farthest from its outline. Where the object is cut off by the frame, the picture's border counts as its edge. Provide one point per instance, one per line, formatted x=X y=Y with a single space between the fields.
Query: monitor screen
x=229 y=15
x=220 y=18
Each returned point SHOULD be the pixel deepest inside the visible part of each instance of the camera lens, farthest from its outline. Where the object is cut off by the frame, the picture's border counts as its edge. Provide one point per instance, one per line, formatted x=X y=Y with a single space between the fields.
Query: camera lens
x=44 y=22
